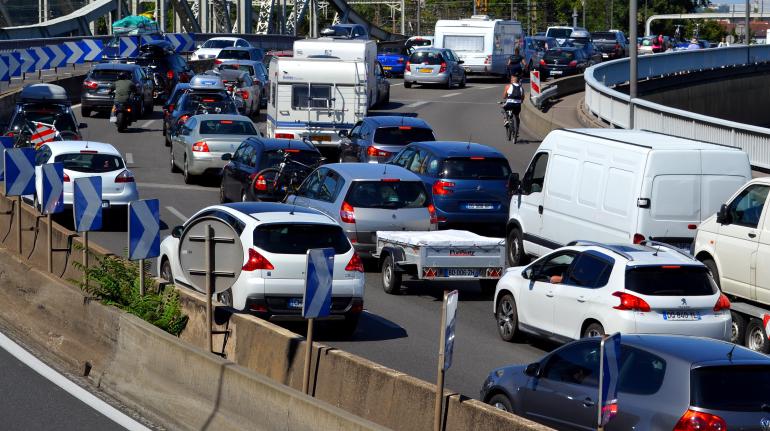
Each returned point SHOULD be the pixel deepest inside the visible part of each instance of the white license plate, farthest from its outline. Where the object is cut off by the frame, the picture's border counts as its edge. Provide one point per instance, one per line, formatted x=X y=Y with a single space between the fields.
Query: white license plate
x=105 y=204
x=113 y=119
x=556 y=72
x=605 y=55
x=479 y=206
x=295 y=303
x=461 y=272
x=681 y=315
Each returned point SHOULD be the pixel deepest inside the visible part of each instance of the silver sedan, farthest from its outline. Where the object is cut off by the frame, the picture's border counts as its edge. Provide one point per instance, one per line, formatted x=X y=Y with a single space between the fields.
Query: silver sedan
x=198 y=147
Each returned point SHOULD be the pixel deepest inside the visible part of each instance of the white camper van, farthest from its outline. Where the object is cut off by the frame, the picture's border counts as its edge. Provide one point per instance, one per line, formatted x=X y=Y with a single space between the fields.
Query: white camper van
x=344 y=49
x=619 y=186
x=315 y=98
x=483 y=44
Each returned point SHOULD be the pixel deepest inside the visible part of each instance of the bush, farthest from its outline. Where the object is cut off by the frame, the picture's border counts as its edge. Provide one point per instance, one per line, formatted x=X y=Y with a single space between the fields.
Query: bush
x=115 y=281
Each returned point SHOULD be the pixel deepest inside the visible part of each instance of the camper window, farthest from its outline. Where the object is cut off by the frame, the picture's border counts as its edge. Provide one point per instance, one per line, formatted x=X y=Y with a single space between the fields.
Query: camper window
x=464 y=43
x=311 y=96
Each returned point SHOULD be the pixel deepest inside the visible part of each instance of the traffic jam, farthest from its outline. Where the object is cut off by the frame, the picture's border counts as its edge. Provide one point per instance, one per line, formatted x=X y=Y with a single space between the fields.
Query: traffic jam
x=638 y=255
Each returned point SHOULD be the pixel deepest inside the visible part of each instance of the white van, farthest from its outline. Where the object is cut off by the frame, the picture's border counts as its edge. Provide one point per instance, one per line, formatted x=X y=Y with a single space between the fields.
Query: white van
x=483 y=44
x=344 y=49
x=315 y=98
x=562 y=33
x=619 y=186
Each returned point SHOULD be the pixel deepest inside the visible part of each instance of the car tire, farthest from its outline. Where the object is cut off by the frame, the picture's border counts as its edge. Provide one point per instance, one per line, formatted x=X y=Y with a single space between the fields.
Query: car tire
x=226 y=297
x=449 y=82
x=593 y=330
x=387 y=98
x=488 y=286
x=756 y=338
x=507 y=318
x=514 y=248
x=391 y=279
x=712 y=266
x=188 y=179
x=348 y=326
x=501 y=402
x=222 y=198
x=173 y=167
x=738 y=328
x=407 y=84
x=165 y=270
x=86 y=112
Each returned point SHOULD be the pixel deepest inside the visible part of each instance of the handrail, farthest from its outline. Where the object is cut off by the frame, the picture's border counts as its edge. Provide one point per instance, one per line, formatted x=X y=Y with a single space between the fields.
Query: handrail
x=614 y=107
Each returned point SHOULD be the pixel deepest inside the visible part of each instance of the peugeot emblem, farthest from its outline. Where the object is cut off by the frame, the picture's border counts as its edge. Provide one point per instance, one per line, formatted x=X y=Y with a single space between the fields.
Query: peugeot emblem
x=765 y=424
x=393 y=215
x=684 y=302
x=478 y=188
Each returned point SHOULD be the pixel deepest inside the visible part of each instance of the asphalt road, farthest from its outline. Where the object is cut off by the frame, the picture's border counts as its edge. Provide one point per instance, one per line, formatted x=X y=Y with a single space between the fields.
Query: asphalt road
x=402 y=331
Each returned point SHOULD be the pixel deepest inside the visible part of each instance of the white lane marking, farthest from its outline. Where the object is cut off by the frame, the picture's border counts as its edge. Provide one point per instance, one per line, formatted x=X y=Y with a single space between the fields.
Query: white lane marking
x=451 y=94
x=418 y=103
x=68 y=386
x=487 y=87
x=176 y=187
x=177 y=213
x=147 y=124
x=396 y=85
x=129 y=158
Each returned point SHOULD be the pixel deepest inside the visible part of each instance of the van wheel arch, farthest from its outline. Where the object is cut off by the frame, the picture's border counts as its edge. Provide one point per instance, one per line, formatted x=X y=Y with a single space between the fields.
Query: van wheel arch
x=588 y=322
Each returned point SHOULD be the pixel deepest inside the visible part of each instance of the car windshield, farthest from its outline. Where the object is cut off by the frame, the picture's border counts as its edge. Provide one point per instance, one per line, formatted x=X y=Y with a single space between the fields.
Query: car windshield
x=426 y=58
x=476 y=168
x=297 y=238
x=390 y=49
x=603 y=35
x=559 y=33
x=234 y=54
x=218 y=43
x=748 y=387
x=402 y=135
x=541 y=44
x=208 y=102
x=560 y=55
x=242 y=67
x=59 y=118
x=273 y=158
x=226 y=127
x=387 y=194
x=670 y=280
x=107 y=74
x=90 y=162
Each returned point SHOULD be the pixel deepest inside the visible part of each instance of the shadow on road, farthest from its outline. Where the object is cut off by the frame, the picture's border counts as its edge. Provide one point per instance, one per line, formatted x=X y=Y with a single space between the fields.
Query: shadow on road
x=371 y=327
x=469 y=290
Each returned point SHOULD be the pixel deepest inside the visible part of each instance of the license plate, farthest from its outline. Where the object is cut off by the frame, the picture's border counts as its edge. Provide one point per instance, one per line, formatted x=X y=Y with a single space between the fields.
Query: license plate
x=467 y=69
x=605 y=55
x=681 y=315
x=387 y=67
x=321 y=138
x=105 y=204
x=425 y=70
x=461 y=272
x=295 y=303
x=556 y=72
x=113 y=119
x=104 y=90
x=479 y=206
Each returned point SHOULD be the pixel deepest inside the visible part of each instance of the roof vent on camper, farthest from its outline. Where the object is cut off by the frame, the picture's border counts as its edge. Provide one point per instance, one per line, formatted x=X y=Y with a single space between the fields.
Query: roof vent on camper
x=480 y=17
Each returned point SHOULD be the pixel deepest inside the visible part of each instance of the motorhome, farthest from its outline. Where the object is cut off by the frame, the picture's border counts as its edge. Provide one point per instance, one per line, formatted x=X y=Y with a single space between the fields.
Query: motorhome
x=482 y=43
x=344 y=49
x=315 y=98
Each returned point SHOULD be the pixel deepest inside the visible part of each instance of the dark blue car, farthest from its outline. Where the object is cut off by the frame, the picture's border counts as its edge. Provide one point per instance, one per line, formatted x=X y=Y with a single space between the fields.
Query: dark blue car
x=469 y=182
x=393 y=57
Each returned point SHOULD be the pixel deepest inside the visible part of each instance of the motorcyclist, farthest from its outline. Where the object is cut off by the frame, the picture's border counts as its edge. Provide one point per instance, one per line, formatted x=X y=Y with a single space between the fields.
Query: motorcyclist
x=124 y=88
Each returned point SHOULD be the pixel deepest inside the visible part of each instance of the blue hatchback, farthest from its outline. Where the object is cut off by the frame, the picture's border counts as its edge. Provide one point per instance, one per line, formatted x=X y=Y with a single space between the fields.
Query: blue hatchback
x=393 y=57
x=469 y=181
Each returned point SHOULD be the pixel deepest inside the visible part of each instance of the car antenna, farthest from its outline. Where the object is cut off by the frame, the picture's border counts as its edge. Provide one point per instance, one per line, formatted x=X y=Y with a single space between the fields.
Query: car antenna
x=659 y=245
x=468 y=147
x=385 y=169
x=730 y=353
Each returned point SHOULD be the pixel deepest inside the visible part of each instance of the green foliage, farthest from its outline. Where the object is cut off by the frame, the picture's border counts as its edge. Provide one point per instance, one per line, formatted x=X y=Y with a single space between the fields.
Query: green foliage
x=115 y=281
x=706 y=29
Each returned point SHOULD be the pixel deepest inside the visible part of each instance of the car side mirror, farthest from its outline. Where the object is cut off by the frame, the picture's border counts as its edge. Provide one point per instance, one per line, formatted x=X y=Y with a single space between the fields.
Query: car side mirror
x=460 y=62
x=533 y=369
x=227 y=156
x=514 y=183
x=83 y=126
x=343 y=133
x=723 y=217
x=176 y=232
x=527 y=273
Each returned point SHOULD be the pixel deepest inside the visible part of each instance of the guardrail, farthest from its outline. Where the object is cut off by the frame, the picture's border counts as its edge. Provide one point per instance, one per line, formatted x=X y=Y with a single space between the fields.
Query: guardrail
x=615 y=107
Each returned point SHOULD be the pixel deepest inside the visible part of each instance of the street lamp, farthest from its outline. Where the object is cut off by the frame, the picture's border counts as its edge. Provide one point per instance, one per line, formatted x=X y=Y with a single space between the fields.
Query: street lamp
x=632 y=12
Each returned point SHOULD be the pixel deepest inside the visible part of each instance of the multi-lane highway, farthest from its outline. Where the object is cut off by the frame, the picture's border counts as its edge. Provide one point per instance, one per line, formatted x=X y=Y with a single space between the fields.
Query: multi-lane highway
x=400 y=332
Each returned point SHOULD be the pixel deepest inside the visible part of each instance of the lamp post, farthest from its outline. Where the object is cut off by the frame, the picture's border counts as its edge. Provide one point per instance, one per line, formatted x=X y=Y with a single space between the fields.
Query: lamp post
x=632 y=12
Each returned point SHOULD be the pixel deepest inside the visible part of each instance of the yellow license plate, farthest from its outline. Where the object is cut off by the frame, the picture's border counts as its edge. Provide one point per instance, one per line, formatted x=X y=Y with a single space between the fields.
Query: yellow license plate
x=321 y=138
x=387 y=67
x=426 y=70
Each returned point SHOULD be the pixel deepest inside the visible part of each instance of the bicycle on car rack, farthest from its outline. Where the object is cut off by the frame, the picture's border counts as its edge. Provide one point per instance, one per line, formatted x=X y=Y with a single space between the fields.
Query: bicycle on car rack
x=283 y=180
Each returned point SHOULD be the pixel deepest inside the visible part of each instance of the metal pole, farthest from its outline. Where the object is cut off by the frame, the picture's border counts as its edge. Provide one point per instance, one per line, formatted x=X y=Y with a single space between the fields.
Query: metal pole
x=162 y=14
x=748 y=29
x=529 y=18
x=584 y=13
x=209 y=256
x=141 y=277
x=474 y=6
x=50 y=243
x=419 y=18
x=283 y=17
x=511 y=9
x=633 y=10
x=599 y=426
x=294 y=8
x=85 y=258
x=440 y=374
x=403 y=24
x=574 y=16
x=612 y=11
x=18 y=224
x=308 y=355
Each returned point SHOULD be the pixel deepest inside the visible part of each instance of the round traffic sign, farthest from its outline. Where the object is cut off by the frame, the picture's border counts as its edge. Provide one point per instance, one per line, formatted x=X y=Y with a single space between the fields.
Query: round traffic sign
x=225 y=254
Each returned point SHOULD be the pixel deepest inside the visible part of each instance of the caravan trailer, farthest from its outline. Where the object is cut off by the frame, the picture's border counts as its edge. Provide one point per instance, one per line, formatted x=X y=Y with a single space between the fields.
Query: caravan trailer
x=482 y=43
x=315 y=98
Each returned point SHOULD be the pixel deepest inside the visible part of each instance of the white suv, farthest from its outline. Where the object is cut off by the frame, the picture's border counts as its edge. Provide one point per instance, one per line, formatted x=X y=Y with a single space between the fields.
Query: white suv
x=588 y=289
x=275 y=240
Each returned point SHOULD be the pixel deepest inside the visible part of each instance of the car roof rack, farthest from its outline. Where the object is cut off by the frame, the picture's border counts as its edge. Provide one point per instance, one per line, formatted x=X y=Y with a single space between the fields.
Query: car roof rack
x=651 y=243
x=604 y=246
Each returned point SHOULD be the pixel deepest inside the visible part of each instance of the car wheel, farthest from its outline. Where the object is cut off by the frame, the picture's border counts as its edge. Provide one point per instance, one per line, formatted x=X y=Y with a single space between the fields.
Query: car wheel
x=226 y=297
x=173 y=167
x=712 y=266
x=391 y=279
x=86 y=112
x=165 y=271
x=449 y=82
x=462 y=83
x=488 y=286
x=222 y=198
x=515 y=248
x=738 y=328
x=501 y=402
x=593 y=330
x=756 y=339
x=168 y=141
x=507 y=317
x=407 y=84
x=387 y=97
x=188 y=179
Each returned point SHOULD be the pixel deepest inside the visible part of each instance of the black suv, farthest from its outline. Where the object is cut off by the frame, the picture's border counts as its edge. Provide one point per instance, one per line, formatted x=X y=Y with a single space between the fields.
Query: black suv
x=166 y=67
x=98 y=94
x=45 y=104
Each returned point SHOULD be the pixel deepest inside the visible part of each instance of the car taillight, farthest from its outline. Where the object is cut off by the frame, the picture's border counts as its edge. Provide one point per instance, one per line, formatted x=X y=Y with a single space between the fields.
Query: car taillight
x=573 y=63
x=90 y=84
x=488 y=60
x=700 y=421
x=722 y=303
x=400 y=60
x=638 y=238
x=433 y=217
x=245 y=94
x=184 y=77
x=217 y=61
x=183 y=119
x=66 y=178
x=443 y=68
x=124 y=177
x=355 y=264
x=631 y=302
x=260 y=184
x=374 y=152
x=347 y=214
x=408 y=66
x=443 y=188
x=542 y=62
x=256 y=261
x=171 y=108
x=284 y=135
x=200 y=147
x=617 y=47
x=170 y=74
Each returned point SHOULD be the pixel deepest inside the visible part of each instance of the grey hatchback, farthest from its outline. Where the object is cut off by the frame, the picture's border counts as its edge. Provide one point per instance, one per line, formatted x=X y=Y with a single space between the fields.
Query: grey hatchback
x=364 y=198
x=666 y=382
x=434 y=66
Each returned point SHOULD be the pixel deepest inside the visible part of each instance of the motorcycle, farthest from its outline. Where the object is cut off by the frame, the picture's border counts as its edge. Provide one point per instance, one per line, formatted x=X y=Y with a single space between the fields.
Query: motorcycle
x=122 y=114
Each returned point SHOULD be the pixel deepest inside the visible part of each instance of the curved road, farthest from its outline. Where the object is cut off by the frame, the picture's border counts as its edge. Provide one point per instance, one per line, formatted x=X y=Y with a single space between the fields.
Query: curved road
x=402 y=331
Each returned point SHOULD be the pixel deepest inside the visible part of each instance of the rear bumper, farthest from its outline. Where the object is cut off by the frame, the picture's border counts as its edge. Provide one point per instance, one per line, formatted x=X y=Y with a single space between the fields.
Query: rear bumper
x=114 y=199
x=713 y=325
x=426 y=79
x=499 y=217
x=96 y=101
x=273 y=294
x=395 y=68
x=200 y=163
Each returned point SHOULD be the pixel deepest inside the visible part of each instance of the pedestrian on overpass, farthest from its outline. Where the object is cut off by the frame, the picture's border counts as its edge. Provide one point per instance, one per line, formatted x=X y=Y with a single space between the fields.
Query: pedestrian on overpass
x=693 y=44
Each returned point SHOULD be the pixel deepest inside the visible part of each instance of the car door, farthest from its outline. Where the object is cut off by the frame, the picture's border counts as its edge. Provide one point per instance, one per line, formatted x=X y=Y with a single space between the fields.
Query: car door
x=229 y=172
x=530 y=204
x=349 y=145
x=180 y=142
x=579 y=293
x=738 y=240
x=536 y=303
x=564 y=394
x=247 y=166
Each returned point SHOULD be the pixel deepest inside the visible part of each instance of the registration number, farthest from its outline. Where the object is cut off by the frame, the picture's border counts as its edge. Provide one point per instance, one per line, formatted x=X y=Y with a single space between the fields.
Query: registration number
x=479 y=206
x=426 y=70
x=605 y=55
x=461 y=272
x=104 y=90
x=105 y=204
x=556 y=72
x=295 y=303
x=321 y=138
x=387 y=67
x=681 y=315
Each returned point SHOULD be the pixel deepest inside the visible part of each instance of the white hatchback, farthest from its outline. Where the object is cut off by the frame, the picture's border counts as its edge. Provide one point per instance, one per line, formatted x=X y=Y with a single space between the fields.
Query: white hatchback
x=276 y=238
x=588 y=289
x=211 y=48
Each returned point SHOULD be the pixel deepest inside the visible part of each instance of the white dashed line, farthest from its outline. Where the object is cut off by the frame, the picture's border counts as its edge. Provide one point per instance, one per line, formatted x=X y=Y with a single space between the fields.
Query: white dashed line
x=147 y=124
x=416 y=104
x=129 y=158
x=487 y=87
x=176 y=212
x=396 y=85
x=451 y=94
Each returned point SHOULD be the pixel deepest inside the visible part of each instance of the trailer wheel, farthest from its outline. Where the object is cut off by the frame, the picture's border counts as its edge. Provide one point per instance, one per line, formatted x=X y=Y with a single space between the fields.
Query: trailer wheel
x=738 y=328
x=391 y=280
x=756 y=339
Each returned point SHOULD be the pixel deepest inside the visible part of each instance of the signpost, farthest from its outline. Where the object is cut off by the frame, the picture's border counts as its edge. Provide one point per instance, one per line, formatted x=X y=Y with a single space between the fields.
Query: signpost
x=19 y=180
x=317 y=299
x=143 y=233
x=51 y=199
x=87 y=209
x=446 y=347
x=6 y=142
x=609 y=369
